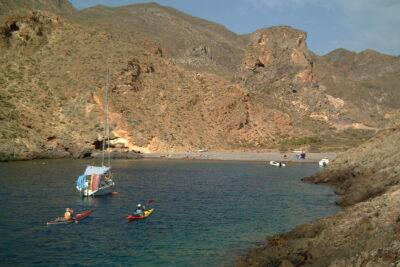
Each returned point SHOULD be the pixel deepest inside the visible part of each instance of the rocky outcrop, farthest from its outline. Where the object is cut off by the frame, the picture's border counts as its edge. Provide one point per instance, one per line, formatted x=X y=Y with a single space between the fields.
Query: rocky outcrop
x=365 y=232
x=28 y=32
x=366 y=171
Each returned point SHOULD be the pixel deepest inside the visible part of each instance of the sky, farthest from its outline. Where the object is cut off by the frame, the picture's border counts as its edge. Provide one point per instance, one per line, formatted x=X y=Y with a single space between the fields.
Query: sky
x=355 y=25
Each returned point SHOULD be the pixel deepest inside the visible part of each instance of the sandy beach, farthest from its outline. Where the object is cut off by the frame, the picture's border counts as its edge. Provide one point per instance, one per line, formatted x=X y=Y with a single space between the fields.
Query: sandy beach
x=243 y=156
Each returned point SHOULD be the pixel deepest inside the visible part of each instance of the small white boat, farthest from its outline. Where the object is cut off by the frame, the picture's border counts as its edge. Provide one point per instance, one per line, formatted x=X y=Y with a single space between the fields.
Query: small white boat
x=276 y=163
x=323 y=162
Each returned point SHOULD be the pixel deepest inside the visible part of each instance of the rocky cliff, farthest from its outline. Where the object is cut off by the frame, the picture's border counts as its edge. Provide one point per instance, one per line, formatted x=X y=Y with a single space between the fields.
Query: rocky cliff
x=178 y=83
x=365 y=232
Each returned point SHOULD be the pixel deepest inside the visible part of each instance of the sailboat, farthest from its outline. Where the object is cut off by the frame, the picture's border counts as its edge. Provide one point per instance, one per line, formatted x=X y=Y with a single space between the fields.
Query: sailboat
x=98 y=180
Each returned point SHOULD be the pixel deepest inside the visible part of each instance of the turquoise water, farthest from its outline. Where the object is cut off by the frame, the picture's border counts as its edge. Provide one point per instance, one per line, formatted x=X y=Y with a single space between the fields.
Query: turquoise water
x=207 y=213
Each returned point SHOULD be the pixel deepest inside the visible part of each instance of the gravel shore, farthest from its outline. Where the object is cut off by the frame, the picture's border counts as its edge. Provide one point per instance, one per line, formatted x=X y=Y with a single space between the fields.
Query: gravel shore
x=242 y=156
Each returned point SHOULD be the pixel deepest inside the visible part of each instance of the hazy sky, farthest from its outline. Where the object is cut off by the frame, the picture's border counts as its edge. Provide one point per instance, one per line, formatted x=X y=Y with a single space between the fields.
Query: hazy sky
x=355 y=25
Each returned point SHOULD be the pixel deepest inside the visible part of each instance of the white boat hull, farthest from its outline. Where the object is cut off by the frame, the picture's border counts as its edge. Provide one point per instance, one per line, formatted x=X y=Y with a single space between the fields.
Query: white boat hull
x=323 y=162
x=103 y=190
x=277 y=164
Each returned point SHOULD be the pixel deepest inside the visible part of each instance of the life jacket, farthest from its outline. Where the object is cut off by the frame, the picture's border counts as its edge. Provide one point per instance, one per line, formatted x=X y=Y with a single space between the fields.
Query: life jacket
x=139 y=212
x=67 y=215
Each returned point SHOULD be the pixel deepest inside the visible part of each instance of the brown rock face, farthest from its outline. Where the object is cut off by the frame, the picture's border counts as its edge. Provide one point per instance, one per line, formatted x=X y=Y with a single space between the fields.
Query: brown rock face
x=278 y=63
x=276 y=45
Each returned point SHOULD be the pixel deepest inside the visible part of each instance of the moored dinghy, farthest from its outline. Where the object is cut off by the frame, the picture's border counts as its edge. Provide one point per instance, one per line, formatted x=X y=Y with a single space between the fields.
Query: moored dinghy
x=276 y=163
x=323 y=162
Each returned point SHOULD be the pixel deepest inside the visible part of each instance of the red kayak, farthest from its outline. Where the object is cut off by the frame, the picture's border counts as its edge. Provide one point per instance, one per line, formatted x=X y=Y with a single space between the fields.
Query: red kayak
x=61 y=220
x=145 y=215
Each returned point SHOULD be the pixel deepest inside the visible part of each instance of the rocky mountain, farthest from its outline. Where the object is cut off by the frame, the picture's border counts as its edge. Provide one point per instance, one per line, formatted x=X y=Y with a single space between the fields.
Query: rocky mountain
x=365 y=232
x=178 y=83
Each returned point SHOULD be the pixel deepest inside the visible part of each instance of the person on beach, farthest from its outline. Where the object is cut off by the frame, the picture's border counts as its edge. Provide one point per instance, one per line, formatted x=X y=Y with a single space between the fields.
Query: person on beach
x=139 y=210
x=68 y=214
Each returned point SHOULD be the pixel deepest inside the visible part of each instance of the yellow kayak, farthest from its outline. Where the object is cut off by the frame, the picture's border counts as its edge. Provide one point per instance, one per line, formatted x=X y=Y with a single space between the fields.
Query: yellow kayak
x=146 y=214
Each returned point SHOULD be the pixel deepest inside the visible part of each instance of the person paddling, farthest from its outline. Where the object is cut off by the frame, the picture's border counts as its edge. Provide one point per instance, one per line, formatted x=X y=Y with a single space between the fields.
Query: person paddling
x=139 y=210
x=68 y=214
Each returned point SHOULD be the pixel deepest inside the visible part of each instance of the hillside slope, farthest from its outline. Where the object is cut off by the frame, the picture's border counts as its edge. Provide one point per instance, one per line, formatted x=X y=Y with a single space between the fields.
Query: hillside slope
x=52 y=93
x=58 y=6
x=178 y=83
x=192 y=42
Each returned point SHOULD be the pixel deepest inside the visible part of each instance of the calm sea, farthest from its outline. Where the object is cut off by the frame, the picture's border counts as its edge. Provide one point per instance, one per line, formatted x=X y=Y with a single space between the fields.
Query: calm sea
x=207 y=213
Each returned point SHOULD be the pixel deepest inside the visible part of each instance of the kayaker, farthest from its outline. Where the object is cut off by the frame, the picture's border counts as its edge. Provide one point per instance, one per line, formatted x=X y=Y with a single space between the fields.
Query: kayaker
x=68 y=214
x=139 y=210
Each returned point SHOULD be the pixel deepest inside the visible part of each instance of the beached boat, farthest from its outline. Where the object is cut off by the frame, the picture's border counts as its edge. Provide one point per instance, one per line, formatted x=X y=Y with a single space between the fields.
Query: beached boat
x=98 y=180
x=277 y=164
x=323 y=162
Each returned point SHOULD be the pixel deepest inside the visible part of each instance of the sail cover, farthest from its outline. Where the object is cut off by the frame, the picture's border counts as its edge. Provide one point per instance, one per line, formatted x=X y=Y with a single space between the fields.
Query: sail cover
x=81 y=182
x=96 y=170
x=95 y=182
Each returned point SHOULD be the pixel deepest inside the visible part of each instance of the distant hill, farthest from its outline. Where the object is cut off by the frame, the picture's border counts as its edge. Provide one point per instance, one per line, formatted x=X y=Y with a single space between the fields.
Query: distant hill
x=178 y=83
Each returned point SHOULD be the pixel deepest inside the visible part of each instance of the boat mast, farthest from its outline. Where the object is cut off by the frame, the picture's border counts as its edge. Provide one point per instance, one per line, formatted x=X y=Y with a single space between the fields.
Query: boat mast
x=107 y=126
x=107 y=123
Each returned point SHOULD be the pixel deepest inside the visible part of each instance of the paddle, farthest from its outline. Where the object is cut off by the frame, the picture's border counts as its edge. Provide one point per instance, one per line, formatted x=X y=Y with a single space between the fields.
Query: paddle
x=149 y=202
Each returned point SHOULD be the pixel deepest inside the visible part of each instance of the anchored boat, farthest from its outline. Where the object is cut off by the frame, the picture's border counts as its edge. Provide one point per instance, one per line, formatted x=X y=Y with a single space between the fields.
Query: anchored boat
x=98 y=180
x=95 y=181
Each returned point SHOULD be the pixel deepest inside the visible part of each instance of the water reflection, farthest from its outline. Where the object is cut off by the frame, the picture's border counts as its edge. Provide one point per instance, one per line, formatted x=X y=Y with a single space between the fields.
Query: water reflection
x=89 y=202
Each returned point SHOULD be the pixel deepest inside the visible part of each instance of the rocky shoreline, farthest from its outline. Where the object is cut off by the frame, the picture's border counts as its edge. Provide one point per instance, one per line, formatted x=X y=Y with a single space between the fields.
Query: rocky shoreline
x=57 y=154
x=365 y=232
